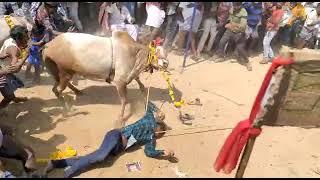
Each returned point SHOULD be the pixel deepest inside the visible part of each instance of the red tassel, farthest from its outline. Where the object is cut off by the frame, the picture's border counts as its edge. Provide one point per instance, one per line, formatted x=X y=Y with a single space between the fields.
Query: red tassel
x=231 y=150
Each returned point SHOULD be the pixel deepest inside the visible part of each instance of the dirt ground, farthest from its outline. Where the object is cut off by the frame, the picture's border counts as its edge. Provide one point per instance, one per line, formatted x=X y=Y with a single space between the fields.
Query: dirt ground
x=227 y=91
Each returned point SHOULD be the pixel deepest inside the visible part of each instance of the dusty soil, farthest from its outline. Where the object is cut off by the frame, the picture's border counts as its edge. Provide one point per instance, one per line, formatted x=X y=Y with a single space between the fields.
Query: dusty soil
x=227 y=91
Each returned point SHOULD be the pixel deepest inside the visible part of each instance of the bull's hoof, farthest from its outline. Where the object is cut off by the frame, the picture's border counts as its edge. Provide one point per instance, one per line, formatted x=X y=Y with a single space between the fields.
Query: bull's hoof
x=55 y=91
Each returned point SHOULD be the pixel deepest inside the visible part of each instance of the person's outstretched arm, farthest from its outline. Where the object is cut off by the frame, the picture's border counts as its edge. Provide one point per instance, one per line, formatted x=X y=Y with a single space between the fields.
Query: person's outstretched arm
x=150 y=150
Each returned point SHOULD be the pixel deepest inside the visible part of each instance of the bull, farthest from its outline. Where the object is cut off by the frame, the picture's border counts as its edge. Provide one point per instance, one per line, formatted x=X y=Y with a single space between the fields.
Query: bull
x=117 y=59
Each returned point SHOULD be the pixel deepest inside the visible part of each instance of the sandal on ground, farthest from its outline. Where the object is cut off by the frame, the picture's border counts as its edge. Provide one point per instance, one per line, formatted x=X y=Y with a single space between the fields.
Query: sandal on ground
x=195 y=57
x=185 y=117
x=219 y=60
x=195 y=102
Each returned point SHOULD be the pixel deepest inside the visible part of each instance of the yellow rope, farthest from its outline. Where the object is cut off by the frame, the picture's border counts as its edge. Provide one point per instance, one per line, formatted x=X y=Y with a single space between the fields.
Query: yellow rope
x=152 y=57
x=177 y=104
x=10 y=23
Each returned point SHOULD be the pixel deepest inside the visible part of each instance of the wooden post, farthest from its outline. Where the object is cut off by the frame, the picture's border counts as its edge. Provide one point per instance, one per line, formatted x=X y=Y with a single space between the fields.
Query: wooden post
x=258 y=122
x=245 y=157
x=189 y=36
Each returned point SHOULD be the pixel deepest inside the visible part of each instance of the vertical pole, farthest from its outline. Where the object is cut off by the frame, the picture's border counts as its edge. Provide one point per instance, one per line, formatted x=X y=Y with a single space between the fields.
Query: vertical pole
x=247 y=150
x=245 y=157
x=189 y=36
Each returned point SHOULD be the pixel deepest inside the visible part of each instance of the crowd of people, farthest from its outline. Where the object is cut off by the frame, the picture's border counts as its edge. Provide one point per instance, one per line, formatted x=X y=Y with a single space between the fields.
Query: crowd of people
x=214 y=31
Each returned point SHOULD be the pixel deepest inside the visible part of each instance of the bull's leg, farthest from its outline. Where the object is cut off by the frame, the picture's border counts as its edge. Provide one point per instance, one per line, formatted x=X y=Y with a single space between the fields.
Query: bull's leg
x=63 y=83
x=122 y=91
x=142 y=88
x=55 y=90
x=74 y=89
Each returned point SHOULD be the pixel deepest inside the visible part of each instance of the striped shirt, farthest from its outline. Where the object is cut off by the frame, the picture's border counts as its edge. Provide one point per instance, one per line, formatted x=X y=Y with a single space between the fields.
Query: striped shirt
x=223 y=12
x=2 y=81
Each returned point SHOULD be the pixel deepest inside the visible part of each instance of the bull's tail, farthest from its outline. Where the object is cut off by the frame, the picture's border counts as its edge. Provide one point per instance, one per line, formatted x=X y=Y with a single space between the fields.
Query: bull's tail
x=50 y=65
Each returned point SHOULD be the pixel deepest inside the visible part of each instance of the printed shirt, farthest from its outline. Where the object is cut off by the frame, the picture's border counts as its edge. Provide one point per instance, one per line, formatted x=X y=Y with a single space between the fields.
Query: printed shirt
x=143 y=132
x=239 y=18
x=312 y=17
x=2 y=80
x=43 y=18
x=223 y=12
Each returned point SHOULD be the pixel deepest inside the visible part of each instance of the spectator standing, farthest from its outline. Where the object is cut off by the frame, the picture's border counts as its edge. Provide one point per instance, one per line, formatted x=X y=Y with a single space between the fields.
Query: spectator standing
x=223 y=13
x=171 y=27
x=119 y=18
x=295 y=22
x=185 y=24
x=272 y=29
x=155 y=18
x=209 y=28
x=309 y=30
x=72 y=9
x=235 y=33
x=254 y=10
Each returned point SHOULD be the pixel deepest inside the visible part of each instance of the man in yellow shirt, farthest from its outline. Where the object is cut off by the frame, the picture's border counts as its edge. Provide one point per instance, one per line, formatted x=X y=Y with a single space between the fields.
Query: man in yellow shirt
x=296 y=21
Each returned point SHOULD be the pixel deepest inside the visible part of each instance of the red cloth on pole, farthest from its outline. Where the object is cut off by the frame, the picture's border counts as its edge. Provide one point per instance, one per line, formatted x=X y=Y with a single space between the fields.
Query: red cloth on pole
x=231 y=150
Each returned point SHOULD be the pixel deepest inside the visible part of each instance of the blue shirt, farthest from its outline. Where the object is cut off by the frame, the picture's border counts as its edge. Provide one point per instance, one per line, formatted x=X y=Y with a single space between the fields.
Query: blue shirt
x=254 y=11
x=143 y=131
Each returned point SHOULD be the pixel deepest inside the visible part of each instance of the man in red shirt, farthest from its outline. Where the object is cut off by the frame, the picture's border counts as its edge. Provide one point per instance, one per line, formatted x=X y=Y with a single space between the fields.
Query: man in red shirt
x=272 y=28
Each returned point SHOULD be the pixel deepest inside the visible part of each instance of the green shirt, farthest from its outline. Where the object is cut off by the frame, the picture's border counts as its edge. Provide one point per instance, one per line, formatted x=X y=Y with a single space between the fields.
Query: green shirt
x=239 y=18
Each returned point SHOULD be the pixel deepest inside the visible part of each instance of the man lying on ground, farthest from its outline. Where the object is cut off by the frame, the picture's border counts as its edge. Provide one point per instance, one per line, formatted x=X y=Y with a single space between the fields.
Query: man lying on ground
x=145 y=131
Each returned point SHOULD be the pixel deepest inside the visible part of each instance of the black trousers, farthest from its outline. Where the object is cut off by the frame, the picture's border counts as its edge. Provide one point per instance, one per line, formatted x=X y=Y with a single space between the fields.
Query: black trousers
x=238 y=40
x=11 y=149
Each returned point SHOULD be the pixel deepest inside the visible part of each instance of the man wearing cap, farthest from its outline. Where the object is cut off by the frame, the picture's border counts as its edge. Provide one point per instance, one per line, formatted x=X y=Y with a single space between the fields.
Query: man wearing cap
x=145 y=131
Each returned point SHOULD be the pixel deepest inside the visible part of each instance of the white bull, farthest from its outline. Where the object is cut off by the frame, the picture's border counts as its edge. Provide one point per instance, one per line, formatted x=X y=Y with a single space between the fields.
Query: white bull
x=119 y=59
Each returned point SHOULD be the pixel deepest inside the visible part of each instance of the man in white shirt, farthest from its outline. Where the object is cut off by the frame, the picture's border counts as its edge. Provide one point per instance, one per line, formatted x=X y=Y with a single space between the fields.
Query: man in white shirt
x=155 y=18
x=187 y=8
x=119 y=19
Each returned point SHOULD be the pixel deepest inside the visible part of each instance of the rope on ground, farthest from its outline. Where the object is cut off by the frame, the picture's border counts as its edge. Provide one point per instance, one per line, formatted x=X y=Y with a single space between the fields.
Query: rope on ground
x=193 y=128
x=197 y=132
x=148 y=92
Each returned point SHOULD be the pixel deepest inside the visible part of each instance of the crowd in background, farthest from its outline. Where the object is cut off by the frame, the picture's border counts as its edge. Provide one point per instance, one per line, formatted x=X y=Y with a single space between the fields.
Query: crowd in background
x=215 y=31
x=218 y=29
